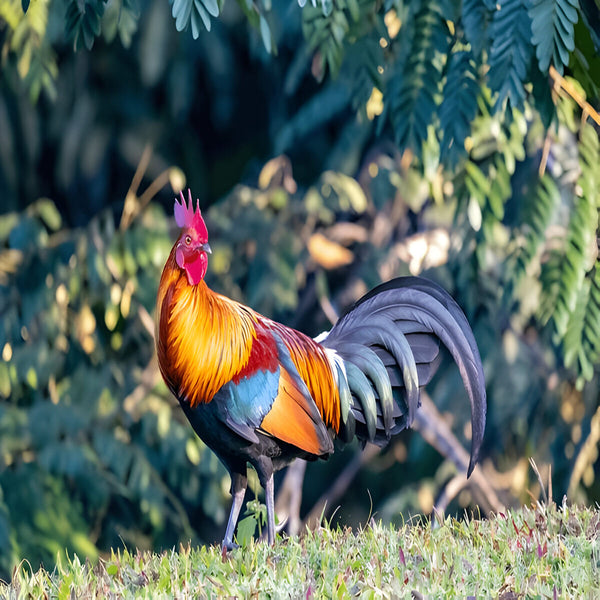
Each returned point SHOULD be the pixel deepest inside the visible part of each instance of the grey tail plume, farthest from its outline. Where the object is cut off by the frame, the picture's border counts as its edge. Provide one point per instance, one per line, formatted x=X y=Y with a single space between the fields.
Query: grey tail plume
x=389 y=343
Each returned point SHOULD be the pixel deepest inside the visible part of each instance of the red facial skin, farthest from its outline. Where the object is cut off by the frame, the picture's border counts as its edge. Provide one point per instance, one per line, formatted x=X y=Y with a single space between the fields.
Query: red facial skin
x=191 y=255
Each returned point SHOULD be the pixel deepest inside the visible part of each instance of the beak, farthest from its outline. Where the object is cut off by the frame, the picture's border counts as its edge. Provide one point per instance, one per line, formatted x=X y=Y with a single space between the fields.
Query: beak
x=206 y=248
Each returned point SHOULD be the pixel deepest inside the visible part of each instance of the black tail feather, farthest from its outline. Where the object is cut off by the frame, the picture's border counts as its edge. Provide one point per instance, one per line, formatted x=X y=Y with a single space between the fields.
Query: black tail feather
x=403 y=322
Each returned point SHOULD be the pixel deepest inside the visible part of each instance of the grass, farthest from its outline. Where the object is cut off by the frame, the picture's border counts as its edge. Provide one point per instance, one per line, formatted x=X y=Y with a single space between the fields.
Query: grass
x=543 y=552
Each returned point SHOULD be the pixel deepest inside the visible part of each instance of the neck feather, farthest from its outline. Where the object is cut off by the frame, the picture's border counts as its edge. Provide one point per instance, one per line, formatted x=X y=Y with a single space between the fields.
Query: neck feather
x=203 y=339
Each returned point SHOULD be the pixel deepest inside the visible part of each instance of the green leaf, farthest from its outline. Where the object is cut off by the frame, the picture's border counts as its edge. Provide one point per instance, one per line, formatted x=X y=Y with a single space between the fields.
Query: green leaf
x=541 y=96
x=212 y=7
x=265 y=34
x=476 y=17
x=83 y=22
x=194 y=13
x=581 y=343
x=127 y=23
x=246 y=529
x=581 y=233
x=199 y=14
x=49 y=214
x=585 y=60
x=536 y=215
x=325 y=29
x=360 y=71
x=181 y=12
x=415 y=82
x=459 y=106
x=510 y=52
x=552 y=29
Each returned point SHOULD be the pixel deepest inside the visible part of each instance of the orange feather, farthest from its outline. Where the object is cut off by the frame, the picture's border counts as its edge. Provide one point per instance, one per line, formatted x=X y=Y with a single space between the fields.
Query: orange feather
x=206 y=340
x=315 y=370
x=290 y=419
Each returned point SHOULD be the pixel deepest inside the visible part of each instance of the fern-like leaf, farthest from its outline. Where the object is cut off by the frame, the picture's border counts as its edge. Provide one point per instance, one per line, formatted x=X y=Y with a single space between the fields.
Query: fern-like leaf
x=581 y=343
x=588 y=355
x=476 y=17
x=325 y=28
x=510 y=53
x=459 y=106
x=550 y=278
x=361 y=69
x=537 y=213
x=581 y=235
x=415 y=83
x=194 y=13
x=26 y=38
x=591 y=326
x=552 y=26
x=541 y=95
x=128 y=20
x=574 y=354
x=83 y=22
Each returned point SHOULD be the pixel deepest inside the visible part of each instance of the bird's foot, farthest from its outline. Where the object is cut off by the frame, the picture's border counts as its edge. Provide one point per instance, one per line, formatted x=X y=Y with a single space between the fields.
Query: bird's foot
x=228 y=547
x=281 y=526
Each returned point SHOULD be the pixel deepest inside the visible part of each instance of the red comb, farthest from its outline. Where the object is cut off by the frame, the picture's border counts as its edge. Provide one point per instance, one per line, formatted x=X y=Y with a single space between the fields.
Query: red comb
x=186 y=216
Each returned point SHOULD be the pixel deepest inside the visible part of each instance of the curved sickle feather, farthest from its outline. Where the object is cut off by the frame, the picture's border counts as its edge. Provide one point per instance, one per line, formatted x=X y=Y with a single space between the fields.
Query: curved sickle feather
x=465 y=353
x=443 y=297
x=368 y=362
x=414 y=299
x=359 y=384
x=379 y=329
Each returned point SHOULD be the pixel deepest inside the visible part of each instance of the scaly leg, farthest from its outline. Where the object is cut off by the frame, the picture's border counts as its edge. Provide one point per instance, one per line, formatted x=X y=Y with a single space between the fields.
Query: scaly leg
x=239 y=483
x=270 y=500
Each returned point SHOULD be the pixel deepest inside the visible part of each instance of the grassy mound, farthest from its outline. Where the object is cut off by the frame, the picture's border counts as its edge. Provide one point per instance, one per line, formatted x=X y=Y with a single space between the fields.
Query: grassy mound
x=545 y=552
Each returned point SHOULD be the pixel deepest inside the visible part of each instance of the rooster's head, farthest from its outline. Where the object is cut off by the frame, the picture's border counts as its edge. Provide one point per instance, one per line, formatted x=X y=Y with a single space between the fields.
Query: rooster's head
x=192 y=246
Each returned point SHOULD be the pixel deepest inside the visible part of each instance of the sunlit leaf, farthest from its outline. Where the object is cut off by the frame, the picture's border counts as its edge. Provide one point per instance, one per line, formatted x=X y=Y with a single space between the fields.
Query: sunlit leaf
x=328 y=254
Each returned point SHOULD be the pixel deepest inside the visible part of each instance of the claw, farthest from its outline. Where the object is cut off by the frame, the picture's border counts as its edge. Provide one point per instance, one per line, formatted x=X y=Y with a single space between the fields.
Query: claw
x=228 y=547
x=280 y=526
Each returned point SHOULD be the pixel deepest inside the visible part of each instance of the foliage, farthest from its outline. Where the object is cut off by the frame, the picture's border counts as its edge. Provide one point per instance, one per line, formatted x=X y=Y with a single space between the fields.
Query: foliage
x=26 y=39
x=558 y=18
x=186 y=12
x=459 y=105
x=509 y=41
x=510 y=51
x=80 y=448
x=414 y=84
x=89 y=431
x=457 y=140
x=535 y=552
x=437 y=69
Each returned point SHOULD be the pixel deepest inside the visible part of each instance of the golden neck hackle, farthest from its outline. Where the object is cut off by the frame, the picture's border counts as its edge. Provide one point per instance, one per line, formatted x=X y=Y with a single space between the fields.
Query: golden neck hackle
x=205 y=338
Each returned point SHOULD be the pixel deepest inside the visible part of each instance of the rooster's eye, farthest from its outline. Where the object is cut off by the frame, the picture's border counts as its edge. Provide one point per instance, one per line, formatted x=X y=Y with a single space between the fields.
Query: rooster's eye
x=188 y=240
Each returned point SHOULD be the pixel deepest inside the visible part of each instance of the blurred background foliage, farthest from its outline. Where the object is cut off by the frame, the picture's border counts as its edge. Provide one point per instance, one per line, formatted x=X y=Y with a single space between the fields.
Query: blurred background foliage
x=333 y=144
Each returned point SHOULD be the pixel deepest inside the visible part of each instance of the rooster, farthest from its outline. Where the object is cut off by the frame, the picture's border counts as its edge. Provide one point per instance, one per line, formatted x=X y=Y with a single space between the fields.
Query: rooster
x=258 y=392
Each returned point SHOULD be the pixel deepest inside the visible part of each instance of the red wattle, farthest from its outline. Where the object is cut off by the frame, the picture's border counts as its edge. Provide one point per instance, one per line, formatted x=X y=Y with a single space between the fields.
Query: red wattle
x=196 y=268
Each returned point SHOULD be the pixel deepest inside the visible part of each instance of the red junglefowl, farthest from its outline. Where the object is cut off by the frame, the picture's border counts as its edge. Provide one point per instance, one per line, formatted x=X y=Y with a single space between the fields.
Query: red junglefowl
x=258 y=392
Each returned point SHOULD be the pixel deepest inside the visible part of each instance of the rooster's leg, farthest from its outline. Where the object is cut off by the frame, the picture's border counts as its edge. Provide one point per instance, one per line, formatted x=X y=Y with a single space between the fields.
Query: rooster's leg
x=270 y=500
x=239 y=483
